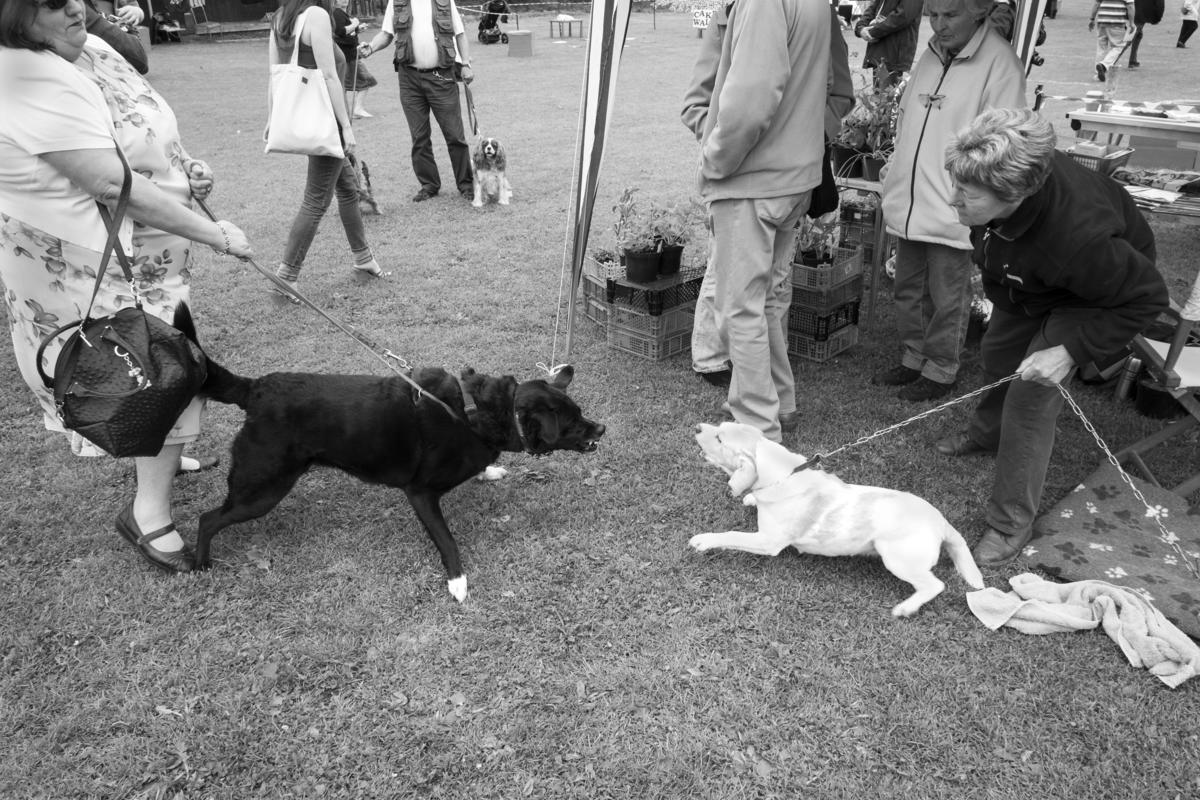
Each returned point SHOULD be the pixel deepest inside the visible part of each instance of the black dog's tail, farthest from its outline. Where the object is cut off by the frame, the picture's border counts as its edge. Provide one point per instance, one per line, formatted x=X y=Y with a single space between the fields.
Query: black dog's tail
x=220 y=384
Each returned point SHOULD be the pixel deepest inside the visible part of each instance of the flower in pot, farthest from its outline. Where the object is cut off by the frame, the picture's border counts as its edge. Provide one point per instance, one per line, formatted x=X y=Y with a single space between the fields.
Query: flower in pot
x=673 y=225
x=636 y=238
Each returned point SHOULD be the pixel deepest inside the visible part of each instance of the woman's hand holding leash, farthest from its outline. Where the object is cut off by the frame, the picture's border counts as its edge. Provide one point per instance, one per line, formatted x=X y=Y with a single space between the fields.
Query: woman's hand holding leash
x=1048 y=367
x=232 y=241
x=200 y=177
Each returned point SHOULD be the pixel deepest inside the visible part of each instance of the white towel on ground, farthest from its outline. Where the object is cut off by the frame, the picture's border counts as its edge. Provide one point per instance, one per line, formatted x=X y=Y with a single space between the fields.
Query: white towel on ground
x=1036 y=605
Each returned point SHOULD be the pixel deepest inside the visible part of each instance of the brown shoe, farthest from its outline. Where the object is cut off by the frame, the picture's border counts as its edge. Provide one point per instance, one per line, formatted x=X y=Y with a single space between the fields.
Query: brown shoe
x=996 y=548
x=181 y=560
x=960 y=444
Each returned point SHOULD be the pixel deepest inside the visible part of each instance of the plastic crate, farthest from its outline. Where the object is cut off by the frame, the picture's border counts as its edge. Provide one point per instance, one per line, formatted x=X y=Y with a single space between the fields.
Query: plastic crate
x=819 y=326
x=1105 y=165
x=806 y=347
x=860 y=226
x=847 y=262
x=595 y=312
x=653 y=346
x=822 y=300
x=656 y=326
x=653 y=298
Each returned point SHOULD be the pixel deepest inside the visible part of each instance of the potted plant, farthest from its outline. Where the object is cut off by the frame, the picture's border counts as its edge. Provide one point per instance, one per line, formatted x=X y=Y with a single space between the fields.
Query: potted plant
x=869 y=130
x=673 y=224
x=637 y=238
x=816 y=241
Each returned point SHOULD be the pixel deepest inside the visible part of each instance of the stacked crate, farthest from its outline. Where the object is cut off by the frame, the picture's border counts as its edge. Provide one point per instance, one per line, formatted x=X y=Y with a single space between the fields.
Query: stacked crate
x=649 y=320
x=823 y=317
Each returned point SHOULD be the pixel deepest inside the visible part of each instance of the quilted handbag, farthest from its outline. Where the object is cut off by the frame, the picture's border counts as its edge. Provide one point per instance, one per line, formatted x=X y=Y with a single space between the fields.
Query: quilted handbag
x=121 y=381
x=301 y=118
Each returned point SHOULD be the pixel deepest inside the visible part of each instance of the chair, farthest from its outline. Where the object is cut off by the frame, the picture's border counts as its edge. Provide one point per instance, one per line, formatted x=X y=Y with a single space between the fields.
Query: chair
x=1175 y=368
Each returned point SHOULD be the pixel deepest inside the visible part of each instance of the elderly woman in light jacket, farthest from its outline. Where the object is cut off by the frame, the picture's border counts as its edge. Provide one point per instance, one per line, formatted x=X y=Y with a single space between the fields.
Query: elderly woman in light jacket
x=967 y=68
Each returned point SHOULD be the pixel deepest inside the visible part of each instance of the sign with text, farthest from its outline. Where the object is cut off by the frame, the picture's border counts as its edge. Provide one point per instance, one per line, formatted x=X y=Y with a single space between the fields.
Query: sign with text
x=701 y=17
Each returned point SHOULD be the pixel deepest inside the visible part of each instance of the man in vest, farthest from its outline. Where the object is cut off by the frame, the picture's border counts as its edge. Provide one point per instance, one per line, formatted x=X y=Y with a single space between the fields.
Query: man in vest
x=431 y=48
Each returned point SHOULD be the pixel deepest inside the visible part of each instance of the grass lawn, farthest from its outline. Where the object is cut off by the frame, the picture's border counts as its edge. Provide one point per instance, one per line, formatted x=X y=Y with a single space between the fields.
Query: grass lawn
x=597 y=657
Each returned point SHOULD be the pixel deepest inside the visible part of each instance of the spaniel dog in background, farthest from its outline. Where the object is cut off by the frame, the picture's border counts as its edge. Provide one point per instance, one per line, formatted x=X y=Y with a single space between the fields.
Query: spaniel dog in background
x=491 y=182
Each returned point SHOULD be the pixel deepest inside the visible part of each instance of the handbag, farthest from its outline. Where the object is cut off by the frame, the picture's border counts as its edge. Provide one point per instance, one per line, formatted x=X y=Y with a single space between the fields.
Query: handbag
x=824 y=197
x=121 y=381
x=301 y=119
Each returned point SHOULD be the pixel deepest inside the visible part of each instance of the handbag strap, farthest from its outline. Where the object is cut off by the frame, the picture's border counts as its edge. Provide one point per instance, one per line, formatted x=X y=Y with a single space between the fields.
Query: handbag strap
x=112 y=244
x=299 y=29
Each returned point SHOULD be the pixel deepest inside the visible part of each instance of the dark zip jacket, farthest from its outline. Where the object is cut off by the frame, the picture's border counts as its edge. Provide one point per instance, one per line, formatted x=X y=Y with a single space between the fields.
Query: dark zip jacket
x=1078 y=245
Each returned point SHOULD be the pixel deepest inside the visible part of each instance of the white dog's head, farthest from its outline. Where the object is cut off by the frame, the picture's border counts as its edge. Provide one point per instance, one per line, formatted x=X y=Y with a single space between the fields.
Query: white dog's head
x=745 y=455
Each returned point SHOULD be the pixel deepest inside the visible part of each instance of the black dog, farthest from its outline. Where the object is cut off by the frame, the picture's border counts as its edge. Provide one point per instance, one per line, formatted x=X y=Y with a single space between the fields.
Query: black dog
x=383 y=430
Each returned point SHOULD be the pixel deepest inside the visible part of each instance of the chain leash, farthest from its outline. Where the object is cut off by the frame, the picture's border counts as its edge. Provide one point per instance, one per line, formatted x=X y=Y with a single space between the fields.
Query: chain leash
x=910 y=420
x=1156 y=514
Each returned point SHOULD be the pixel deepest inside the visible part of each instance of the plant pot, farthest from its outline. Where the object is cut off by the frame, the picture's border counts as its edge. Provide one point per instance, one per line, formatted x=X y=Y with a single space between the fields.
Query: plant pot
x=871 y=167
x=847 y=162
x=812 y=259
x=641 y=266
x=670 y=259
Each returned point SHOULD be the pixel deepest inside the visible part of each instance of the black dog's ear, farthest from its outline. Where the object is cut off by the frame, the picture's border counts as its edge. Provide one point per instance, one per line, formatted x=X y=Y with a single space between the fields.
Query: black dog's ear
x=562 y=378
x=468 y=372
x=184 y=323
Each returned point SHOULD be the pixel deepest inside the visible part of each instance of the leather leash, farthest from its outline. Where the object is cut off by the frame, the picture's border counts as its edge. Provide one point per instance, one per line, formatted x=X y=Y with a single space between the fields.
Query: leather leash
x=292 y=292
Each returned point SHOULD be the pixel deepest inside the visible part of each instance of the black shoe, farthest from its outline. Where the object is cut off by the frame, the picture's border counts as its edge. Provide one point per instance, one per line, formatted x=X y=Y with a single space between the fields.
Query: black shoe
x=896 y=376
x=1180 y=44
x=1134 y=64
x=960 y=445
x=1101 y=72
x=925 y=389
x=468 y=192
x=719 y=378
x=789 y=423
x=424 y=194
x=178 y=561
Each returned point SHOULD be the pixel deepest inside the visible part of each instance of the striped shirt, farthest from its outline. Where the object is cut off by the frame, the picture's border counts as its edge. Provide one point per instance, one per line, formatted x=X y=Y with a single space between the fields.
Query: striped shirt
x=1112 y=12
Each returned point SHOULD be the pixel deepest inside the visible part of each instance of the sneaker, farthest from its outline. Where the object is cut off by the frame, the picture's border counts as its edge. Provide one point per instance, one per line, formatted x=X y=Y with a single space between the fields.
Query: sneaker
x=925 y=389
x=424 y=194
x=1101 y=72
x=896 y=376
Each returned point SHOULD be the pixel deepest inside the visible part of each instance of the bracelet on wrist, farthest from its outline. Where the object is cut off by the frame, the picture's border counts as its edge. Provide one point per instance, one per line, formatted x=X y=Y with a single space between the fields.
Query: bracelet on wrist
x=225 y=236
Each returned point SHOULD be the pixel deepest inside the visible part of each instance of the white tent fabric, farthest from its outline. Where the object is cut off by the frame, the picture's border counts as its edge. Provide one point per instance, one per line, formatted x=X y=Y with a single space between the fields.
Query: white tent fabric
x=606 y=39
x=1025 y=29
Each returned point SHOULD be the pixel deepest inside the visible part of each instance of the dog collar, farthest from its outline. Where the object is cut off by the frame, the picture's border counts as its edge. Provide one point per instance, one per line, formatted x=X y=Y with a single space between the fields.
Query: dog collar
x=468 y=402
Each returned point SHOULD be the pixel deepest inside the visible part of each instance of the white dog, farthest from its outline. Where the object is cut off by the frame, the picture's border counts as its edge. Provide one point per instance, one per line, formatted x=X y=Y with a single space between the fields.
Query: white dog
x=817 y=513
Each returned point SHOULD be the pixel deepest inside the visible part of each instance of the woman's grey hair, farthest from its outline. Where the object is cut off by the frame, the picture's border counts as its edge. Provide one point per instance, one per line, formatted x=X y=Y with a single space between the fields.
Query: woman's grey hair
x=1007 y=150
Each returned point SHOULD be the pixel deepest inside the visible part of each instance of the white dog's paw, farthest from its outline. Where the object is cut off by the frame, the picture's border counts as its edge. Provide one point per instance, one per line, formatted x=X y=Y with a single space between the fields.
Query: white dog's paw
x=458 y=588
x=477 y=203
x=492 y=473
x=701 y=541
x=750 y=500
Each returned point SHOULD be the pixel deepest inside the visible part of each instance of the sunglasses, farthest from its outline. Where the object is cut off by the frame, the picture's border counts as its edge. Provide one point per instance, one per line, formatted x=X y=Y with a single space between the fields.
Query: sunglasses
x=53 y=5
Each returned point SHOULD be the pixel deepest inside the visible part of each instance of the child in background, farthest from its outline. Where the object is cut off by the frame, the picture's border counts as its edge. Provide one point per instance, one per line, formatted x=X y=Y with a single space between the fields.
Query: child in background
x=1113 y=21
x=357 y=79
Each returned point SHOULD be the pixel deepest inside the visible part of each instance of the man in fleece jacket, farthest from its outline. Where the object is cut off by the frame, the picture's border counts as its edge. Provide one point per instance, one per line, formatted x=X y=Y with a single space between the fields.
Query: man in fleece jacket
x=760 y=158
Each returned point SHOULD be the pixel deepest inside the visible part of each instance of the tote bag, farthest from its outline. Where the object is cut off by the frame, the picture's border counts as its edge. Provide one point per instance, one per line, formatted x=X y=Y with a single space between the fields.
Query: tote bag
x=302 y=119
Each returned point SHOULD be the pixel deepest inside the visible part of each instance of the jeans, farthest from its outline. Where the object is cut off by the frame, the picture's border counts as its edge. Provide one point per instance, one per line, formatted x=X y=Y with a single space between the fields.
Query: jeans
x=1018 y=419
x=420 y=94
x=752 y=257
x=710 y=353
x=327 y=176
x=933 y=301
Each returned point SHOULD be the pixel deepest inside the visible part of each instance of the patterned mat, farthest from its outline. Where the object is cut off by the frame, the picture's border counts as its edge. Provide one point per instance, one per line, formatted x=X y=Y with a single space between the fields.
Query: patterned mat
x=1100 y=531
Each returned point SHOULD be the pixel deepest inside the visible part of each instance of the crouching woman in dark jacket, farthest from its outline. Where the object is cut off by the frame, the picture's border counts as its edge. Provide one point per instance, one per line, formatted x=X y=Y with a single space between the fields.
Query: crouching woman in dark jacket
x=1068 y=262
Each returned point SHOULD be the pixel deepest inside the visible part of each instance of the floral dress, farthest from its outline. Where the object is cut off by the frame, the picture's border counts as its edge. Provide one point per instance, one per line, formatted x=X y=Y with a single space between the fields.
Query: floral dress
x=48 y=280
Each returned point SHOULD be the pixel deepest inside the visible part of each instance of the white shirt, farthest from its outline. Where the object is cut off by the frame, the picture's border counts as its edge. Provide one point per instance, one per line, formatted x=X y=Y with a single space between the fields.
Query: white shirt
x=49 y=106
x=424 y=44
